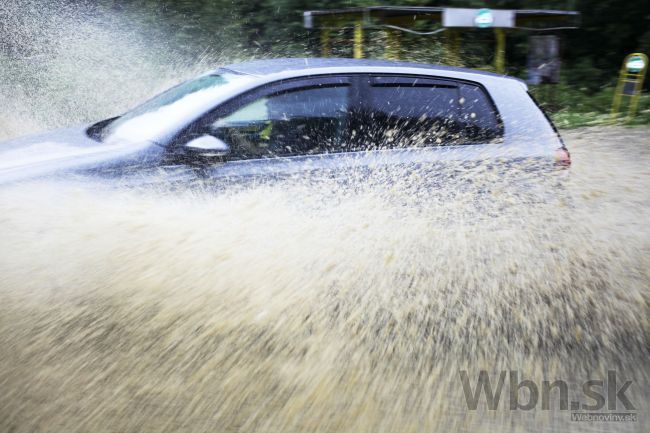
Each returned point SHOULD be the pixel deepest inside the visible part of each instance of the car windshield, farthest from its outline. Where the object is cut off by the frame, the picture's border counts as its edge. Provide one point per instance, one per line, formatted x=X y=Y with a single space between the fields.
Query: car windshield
x=168 y=108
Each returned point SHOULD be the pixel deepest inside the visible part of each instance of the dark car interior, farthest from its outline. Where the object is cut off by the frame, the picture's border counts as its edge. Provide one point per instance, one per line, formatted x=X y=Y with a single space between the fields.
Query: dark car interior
x=298 y=122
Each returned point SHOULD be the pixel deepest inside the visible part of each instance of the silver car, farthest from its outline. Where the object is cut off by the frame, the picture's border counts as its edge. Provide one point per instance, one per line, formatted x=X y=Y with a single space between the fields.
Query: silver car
x=283 y=117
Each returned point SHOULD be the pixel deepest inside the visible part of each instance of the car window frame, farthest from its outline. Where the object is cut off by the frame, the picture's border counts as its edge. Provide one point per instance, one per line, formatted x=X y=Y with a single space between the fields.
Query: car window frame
x=265 y=90
x=359 y=93
x=365 y=88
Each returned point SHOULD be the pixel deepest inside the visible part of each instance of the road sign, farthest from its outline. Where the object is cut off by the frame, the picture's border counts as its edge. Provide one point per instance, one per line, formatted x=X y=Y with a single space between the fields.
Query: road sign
x=478 y=18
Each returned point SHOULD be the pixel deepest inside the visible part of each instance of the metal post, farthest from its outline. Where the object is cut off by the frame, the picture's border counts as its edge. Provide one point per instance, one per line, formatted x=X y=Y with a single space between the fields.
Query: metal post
x=452 y=47
x=325 y=42
x=618 y=93
x=639 y=77
x=393 y=44
x=455 y=46
x=358 y=39
x=500 y=52
x=634 y=101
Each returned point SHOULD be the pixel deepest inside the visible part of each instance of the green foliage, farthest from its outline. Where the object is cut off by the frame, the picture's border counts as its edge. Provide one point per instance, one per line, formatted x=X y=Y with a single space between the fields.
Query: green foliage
x=235 y=30
x=273 y=28
x=571 y=107
x=610 y=29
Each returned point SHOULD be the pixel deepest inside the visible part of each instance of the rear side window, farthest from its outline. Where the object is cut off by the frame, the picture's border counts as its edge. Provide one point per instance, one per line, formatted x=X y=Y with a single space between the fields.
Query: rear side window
x=413 y=100
x=479 y=117
x=406 y=112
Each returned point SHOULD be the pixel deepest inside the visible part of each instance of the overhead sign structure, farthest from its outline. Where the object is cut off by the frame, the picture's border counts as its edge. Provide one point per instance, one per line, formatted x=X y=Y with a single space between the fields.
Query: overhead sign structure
x=396 y=20
x=630 y=83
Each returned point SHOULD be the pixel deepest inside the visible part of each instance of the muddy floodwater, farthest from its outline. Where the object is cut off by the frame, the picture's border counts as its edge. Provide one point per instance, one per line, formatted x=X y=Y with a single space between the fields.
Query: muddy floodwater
x=336 y=307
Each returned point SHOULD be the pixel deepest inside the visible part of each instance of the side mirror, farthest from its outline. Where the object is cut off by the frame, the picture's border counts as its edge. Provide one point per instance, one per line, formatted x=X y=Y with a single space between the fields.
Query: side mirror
x=207 y=146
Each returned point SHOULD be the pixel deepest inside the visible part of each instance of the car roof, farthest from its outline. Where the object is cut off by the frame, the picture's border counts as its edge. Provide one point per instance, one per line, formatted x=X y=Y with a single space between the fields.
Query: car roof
x=274 y=66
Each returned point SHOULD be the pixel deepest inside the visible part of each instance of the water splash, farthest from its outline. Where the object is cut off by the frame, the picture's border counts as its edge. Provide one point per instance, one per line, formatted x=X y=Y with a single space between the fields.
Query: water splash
x=316 y=306
x=64 y=63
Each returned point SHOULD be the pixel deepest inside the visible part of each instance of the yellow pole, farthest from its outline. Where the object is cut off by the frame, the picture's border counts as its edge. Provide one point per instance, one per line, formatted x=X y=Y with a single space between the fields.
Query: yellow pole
x=500 y=53
x=452 y=47
x=634 y=101
x=325 y=42
x=618 y=92
x=455 y=46
x=393 y=44
x=358 y=39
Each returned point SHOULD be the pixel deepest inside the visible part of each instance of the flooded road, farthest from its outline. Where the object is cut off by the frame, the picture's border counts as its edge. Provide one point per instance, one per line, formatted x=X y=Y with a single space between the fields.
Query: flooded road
x=326 y=308
x=333 y=307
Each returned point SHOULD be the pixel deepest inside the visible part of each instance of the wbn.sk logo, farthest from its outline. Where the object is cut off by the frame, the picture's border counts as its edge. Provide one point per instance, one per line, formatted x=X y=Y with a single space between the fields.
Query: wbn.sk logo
x=598 y=393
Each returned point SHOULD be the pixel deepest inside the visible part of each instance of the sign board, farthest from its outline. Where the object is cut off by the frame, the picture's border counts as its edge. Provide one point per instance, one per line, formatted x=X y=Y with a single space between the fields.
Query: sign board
x=543 y=60
x=484 y=18
x=478 y=18
x=635 y=64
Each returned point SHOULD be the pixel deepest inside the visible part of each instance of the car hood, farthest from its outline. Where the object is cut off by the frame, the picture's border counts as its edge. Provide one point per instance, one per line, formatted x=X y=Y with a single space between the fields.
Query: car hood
x=59 y=151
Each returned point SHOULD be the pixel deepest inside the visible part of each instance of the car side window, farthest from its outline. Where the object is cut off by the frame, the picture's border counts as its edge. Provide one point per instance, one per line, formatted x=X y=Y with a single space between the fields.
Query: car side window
x=479 y=118
x=414 y=112
x=298 y=121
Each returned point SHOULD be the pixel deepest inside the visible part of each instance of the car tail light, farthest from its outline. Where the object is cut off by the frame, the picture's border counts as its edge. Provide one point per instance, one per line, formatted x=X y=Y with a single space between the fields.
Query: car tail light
x=562 y=157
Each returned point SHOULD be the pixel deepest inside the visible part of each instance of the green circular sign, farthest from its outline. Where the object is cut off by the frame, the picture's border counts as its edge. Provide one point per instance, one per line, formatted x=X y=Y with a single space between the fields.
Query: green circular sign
x=484 y=18
x=635 y=64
